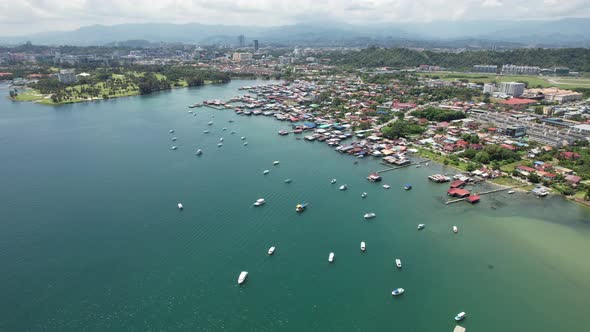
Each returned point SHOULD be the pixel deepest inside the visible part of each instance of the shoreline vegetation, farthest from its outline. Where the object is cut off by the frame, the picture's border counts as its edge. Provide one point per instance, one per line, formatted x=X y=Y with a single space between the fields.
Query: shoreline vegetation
x=108 y=83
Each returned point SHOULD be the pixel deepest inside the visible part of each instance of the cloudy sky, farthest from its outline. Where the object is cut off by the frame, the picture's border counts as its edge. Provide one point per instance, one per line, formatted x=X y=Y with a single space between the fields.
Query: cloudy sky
x=18 y=17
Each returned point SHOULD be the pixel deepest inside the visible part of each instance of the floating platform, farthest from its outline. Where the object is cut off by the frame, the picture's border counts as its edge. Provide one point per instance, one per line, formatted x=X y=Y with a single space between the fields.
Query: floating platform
x=459 y=329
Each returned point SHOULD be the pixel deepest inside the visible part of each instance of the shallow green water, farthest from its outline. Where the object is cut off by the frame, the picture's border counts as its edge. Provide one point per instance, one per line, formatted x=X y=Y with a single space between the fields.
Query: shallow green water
x=91 y=239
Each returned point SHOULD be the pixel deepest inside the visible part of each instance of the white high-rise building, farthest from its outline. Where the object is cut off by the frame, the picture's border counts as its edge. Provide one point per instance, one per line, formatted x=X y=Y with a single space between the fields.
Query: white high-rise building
x=512 y=88
x=520 y=70
x=489 y=88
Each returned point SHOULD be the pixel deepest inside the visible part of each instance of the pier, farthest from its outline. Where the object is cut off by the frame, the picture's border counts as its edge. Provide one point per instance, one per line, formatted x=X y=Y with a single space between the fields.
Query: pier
x=481 y=194
x=398 y=167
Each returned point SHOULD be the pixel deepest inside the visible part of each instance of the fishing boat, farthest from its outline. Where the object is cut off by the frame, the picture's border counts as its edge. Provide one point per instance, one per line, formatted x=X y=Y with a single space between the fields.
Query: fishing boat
x=363 y=195
x=385 y=186
x=266 y=172
x=301 y=207
x=460 y=316
x=455 y=229
x=331 y=257
x=242 y=277
x=171 y=131
x=343 y=187
x=199 y=152
x=369 y=215
x=407 y=186
x=288 y=181
x=333 y=181
x=283 y=133
x=363 y=246
x=421 y=226
x=174 y=147
x=271 y=250
x=259 y=202
x=398 y=263
x=398 y=291
x=180 y=207
x=276 y=162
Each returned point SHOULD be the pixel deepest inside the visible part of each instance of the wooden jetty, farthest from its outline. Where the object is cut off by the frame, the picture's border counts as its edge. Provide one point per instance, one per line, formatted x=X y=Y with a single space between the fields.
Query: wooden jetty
x=398 y=167
x=481 y=193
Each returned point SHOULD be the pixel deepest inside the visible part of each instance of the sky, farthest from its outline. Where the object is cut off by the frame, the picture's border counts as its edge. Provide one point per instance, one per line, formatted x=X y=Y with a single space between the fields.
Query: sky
x=20 y=17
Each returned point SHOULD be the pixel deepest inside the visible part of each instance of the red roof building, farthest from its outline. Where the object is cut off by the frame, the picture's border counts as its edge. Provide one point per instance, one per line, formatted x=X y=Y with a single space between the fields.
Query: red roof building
x=569 y=155
x=456 y=192
x=508 y=147
x=457 y=184
x=473 y=199
x=518 y=102
x=527 y=169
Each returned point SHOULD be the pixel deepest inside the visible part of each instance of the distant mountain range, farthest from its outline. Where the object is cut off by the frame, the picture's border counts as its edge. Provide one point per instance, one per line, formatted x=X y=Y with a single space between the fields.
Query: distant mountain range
x=569 y=32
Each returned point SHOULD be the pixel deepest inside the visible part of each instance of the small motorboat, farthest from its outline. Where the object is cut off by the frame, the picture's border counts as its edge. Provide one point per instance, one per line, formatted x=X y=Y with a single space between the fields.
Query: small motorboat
x=190 y=111
x=210 y=123
x=174 y=139
x=230 y=120
x=245 y=143
x=205 y=131
x=385 y=186
x=343 y=187
x=276 y=162
x=174 y=147
x=455 y=229
x=219 y=145
x=426 y=164
x=370 y=215
x=363 y=195
x=199 y=152
x=460 y=316
x=363 y=246
x=421 y=226
x=301 y=207
x=233 y=132
x=331 y=257
x=333 y=181
x=224 y=129
x=243 y=138
x=180 y=207
x=259 y=202
x=418 y=166
x=511 y=192
x=288 y=181
x=266 y=172
x=398 y=291
x=271 y=250
x=221 y=139
x=407 y=186
x=398 y=263
x=242 y=277
x=171 y=131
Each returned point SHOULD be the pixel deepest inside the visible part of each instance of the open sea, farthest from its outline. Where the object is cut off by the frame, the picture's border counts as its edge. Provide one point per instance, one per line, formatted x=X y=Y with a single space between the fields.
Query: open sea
x=91 y=238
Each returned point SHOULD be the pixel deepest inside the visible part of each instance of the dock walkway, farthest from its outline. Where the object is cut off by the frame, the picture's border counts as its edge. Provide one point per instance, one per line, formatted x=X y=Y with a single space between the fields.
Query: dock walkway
x=398 y=167
x=481 y=194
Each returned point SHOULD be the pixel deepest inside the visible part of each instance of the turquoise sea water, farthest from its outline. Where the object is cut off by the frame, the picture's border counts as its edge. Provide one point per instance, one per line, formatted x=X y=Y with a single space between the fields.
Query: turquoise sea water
x=91 y=239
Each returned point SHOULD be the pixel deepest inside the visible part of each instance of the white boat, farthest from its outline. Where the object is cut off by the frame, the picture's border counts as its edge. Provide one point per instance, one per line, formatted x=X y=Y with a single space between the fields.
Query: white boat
x=174 y=139
x=190 y=111
x=210 y=123
x=511 y=192
x=221 y=139
x=199 y=152
x=205 y=131
x=243 y=138
x=331 y=257
x=398 y=263
x=174 y=147
x=220 y=145
x=426 y=164
x=343 y=187
x=460 y=316
x=271 y=250
x=385 y=186
x=363 y=246
x=333 y=181
x=369 y=215
x=276 y=162
x=418 y=166
x=242 y=277
x=180 y=207
x=233 y=132
x=171 y=131
x=421 y=226
x=224 y=129
x=363 y=195
x=259 y=202
x=266 y=172
x=398 y=291
x=455 y=229
x=245 y=143
x=288 y=181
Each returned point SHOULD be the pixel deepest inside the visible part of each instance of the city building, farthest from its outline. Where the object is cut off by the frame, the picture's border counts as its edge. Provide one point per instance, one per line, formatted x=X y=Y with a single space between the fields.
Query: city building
x=512 y=88
x=256 y=44
x=515 y=131
x=67 y=76
x=520 y=70
x=489 y=88
x=485 y=68
x=242 y=57
x=241 y=41
x=555 y=94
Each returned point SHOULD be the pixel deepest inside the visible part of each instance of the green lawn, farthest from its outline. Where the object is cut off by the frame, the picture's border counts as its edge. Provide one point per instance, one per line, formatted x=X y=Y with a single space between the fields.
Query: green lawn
x=29 y=95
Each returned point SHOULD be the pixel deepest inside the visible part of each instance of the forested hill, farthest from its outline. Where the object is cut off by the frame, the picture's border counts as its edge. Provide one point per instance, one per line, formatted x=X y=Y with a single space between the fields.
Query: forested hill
x=577 y=59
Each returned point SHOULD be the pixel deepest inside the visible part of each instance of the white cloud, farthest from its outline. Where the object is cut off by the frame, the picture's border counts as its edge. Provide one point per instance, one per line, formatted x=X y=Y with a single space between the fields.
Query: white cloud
x=26 y=16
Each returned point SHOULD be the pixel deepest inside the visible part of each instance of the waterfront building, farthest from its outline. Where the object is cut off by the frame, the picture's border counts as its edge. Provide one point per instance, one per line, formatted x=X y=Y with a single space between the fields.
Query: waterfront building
x=512 y=88
x=67 y=76
x=485 y=68
x=520 y=70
